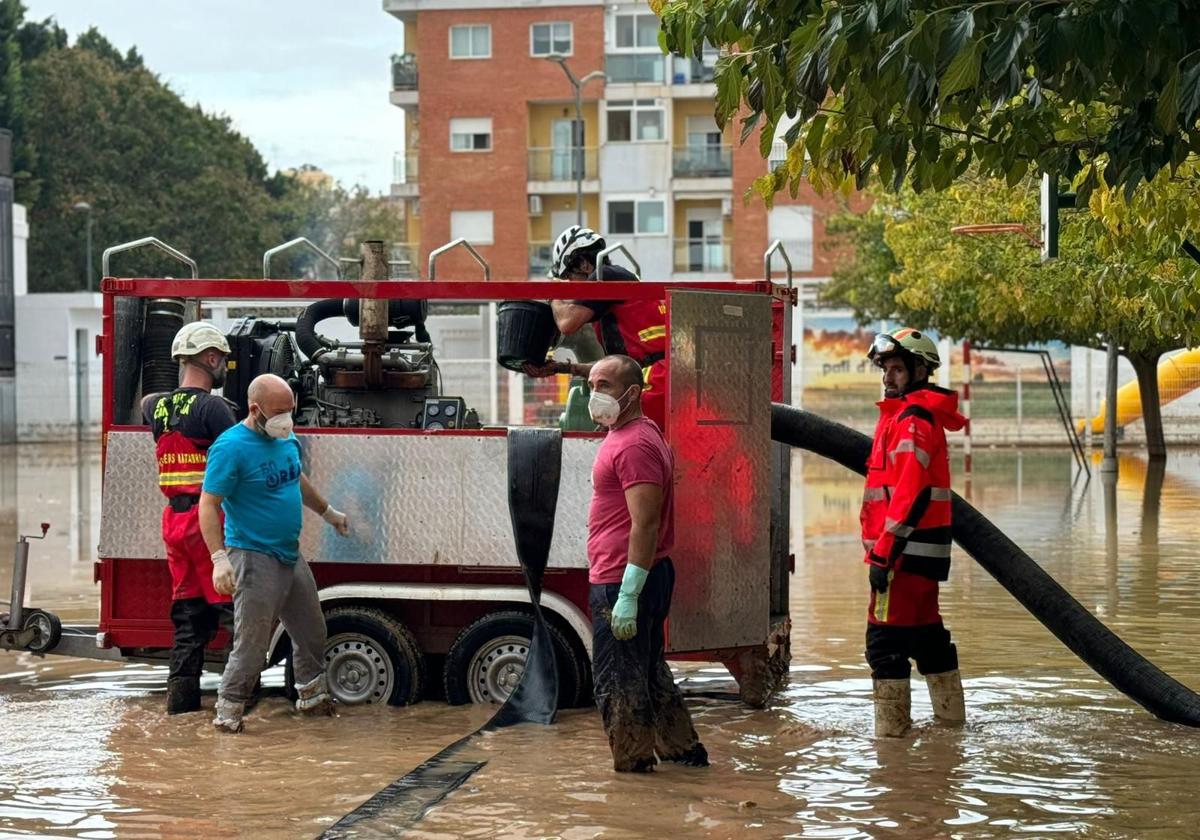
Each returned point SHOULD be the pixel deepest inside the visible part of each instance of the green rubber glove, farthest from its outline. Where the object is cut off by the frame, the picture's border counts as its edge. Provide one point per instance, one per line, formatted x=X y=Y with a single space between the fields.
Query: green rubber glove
x=624 y=612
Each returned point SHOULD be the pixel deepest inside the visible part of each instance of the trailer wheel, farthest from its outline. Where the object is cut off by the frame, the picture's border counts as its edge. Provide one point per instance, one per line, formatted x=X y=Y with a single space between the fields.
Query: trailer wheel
x=371 y=658
x=47 y=630
x=486 y=661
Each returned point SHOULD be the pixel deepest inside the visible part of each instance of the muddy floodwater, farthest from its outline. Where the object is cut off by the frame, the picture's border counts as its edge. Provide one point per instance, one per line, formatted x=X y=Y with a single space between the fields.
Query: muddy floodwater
x=1049 y=750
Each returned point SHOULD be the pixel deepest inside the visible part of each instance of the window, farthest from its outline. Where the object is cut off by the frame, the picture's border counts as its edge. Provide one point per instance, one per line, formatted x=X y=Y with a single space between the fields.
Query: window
x=550 y=38
x=631 y=68
x=793 y=226
x=637 y=31
x=635 y=120
x=475 y=226
x=474 y=41
x=636 y=217
x=471 y=134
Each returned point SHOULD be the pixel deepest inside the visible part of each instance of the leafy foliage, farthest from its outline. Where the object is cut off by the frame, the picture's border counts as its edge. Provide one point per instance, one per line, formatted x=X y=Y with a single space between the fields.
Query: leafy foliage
x=92 y=125
x=919 y=92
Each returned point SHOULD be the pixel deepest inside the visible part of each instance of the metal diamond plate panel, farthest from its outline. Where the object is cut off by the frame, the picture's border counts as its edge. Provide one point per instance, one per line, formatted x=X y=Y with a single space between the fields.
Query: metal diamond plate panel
x=721 y=433
x=410 y=499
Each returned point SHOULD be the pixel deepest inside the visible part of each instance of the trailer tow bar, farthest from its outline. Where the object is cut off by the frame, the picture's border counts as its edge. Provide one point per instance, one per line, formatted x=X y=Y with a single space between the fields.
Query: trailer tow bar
x=34 y=630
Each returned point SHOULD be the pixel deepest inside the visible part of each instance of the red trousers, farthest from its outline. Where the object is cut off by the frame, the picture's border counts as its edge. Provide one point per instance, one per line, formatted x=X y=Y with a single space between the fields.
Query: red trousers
x=188 y=558
x=654 y=393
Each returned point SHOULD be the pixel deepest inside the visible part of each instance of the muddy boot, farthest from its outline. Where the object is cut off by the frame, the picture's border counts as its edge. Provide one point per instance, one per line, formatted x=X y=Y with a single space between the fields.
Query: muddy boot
x=229 y=716
x=313 y=698
x=183 y=695
x=893 y=706
x=695 y=756
x=946 y=696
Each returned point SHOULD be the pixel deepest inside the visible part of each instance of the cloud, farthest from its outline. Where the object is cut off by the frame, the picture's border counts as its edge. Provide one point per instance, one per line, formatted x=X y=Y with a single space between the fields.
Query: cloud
x=307 y=81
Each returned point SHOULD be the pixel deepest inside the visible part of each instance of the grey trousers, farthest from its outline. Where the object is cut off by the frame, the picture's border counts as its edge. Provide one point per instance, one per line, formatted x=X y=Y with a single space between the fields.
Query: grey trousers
x=268 y=590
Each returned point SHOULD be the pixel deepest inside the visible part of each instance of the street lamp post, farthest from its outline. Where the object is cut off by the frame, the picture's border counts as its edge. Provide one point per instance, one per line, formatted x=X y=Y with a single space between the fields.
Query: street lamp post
x=577 y=133
x=84 y=207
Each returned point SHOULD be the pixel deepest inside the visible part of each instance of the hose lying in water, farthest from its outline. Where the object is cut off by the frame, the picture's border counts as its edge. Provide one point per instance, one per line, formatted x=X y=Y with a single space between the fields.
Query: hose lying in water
x=1053 y=606
x=534 y=466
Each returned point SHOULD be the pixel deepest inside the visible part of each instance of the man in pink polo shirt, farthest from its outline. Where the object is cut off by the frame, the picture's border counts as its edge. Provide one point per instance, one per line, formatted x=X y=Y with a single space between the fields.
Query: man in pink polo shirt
x=631 y=527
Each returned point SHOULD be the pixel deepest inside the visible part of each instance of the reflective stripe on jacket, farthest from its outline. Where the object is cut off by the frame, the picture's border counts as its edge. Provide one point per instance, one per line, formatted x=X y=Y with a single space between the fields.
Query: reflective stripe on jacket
x=906 y=503
x=181 y=459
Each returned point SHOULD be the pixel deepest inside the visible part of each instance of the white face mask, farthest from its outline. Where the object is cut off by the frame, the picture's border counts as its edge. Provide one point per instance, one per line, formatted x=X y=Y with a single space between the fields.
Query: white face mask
x=279 y=426
x=605 y=409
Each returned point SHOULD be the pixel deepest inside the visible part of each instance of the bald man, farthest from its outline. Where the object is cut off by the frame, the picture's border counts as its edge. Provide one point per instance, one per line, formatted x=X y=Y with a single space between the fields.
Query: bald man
x=254 y=475
x=631 y=529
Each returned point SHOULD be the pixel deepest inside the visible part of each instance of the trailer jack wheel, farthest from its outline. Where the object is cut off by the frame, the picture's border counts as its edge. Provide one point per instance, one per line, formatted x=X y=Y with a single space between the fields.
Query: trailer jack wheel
x=371 y=658
x=46 y=630
x=487 y=659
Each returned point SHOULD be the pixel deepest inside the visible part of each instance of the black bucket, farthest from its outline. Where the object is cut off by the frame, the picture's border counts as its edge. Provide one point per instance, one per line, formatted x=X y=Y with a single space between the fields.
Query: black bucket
x=525 y=333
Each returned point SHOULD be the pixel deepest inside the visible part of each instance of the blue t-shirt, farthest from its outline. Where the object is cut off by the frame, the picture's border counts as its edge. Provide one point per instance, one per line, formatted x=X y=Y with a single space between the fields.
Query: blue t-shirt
x=259 y=478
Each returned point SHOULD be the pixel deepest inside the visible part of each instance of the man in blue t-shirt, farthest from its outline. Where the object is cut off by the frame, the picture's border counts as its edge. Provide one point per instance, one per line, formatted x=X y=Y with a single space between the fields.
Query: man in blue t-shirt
x=254 y=475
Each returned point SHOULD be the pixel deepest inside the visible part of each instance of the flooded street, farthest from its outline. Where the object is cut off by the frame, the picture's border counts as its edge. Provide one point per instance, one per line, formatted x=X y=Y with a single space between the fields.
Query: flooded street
x=1050 y=749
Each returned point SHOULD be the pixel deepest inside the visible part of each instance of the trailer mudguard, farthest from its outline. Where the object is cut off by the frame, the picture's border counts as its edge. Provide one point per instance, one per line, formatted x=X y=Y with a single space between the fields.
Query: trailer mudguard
x=1084 y=634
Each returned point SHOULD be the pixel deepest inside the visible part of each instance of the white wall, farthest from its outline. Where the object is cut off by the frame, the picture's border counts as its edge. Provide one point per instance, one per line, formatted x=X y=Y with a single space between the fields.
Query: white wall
x=20 y=250
x=46 y=364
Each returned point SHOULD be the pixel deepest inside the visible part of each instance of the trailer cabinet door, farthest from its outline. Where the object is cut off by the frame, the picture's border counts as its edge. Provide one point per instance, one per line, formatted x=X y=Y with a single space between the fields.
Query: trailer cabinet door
x=720 y=431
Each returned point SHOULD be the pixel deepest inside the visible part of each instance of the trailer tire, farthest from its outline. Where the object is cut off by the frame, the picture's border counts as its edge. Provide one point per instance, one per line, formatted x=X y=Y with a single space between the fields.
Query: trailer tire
x=371 y=658
x=48 y=630
x=481 y=665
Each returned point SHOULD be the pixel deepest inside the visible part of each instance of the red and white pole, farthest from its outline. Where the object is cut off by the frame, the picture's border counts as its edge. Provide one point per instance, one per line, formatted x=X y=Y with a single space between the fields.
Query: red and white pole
x=966 y=407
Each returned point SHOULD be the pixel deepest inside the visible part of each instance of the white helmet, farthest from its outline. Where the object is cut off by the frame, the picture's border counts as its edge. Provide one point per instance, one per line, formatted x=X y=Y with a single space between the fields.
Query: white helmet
x=197 y=337
x=571 y=241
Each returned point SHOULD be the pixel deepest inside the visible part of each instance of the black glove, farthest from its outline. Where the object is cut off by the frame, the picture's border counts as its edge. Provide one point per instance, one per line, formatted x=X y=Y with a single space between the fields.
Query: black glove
x=879 y=578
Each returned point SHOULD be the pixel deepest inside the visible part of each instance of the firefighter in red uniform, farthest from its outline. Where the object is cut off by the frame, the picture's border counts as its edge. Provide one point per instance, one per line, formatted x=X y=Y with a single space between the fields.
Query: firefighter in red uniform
x=184 y=423
x=635 y=328
x=906 y=533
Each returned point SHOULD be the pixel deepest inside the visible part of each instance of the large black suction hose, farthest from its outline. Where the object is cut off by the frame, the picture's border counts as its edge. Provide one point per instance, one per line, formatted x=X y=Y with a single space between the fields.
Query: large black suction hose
x=1053 y=606
x=160 y=371
x=306 y=325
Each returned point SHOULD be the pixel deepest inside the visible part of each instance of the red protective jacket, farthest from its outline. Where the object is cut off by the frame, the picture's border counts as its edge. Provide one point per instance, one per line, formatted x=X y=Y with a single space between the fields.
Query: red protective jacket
x=906 y=504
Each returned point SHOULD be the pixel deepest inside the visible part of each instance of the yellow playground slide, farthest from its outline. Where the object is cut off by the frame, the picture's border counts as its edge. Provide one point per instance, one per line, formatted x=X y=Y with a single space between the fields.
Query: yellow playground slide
x=1177 y=375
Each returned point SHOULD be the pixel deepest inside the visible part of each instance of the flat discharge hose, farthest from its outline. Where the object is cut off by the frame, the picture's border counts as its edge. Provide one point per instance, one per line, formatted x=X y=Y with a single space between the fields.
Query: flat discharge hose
x=534 y=467
x=1085 y=635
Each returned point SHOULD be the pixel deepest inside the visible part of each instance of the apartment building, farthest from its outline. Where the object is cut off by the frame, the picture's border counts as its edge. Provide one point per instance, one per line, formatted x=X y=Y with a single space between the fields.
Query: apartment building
x=494 y=152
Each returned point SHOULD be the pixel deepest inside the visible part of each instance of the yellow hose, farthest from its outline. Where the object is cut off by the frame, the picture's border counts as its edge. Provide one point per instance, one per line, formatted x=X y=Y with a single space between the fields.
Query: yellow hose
x=1177 y=375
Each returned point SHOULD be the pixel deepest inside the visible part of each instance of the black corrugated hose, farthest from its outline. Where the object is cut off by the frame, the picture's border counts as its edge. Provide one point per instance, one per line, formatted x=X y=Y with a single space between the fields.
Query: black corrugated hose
x=1085 y=635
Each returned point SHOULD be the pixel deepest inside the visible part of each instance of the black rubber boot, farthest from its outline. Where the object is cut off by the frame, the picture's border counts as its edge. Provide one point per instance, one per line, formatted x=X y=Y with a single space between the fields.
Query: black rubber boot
x=183 y=695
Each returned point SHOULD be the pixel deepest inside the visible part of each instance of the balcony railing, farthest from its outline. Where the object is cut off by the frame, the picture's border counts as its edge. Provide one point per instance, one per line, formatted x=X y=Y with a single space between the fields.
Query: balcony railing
x=402 y=263
x=703 y=161
x=404 y=72
x=540 y=258
x=689 y=71
x=562 y=164
x=635 y=67
x=709 y=254
x=778 y=157
x=404 y=167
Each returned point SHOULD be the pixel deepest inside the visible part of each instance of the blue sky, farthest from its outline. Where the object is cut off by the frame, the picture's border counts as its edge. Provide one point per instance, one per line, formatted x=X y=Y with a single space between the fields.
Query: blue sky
x=306 y=80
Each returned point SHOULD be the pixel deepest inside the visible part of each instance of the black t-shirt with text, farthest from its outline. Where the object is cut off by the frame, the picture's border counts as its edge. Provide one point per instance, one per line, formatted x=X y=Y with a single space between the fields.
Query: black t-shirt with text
x=201 y=416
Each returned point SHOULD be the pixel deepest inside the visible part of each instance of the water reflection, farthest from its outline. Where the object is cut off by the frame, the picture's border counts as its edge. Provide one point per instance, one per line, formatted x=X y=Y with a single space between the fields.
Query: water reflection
x=1049 y=748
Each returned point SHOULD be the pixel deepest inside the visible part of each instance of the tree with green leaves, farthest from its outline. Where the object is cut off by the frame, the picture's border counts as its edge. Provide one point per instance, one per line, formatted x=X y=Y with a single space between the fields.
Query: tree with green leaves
x=920 y=92
x=92 y=125
x=904 y=263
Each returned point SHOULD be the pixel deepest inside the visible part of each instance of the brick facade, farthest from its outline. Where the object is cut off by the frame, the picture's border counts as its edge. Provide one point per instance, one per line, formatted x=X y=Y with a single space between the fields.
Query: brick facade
x=499 y=87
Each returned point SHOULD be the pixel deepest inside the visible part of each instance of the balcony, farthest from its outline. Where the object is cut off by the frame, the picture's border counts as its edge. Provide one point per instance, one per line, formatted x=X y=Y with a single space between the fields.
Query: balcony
x=554 y=170
x=710 y=255
x=689 y=71
x=404 y=174
x=540 y=258
x=633 y=68
x=404 y=80
x=403 y=262
x=703 y=161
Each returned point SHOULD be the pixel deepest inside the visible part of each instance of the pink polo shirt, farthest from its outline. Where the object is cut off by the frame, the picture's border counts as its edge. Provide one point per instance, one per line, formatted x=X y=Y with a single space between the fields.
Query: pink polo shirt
x=636 y=453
